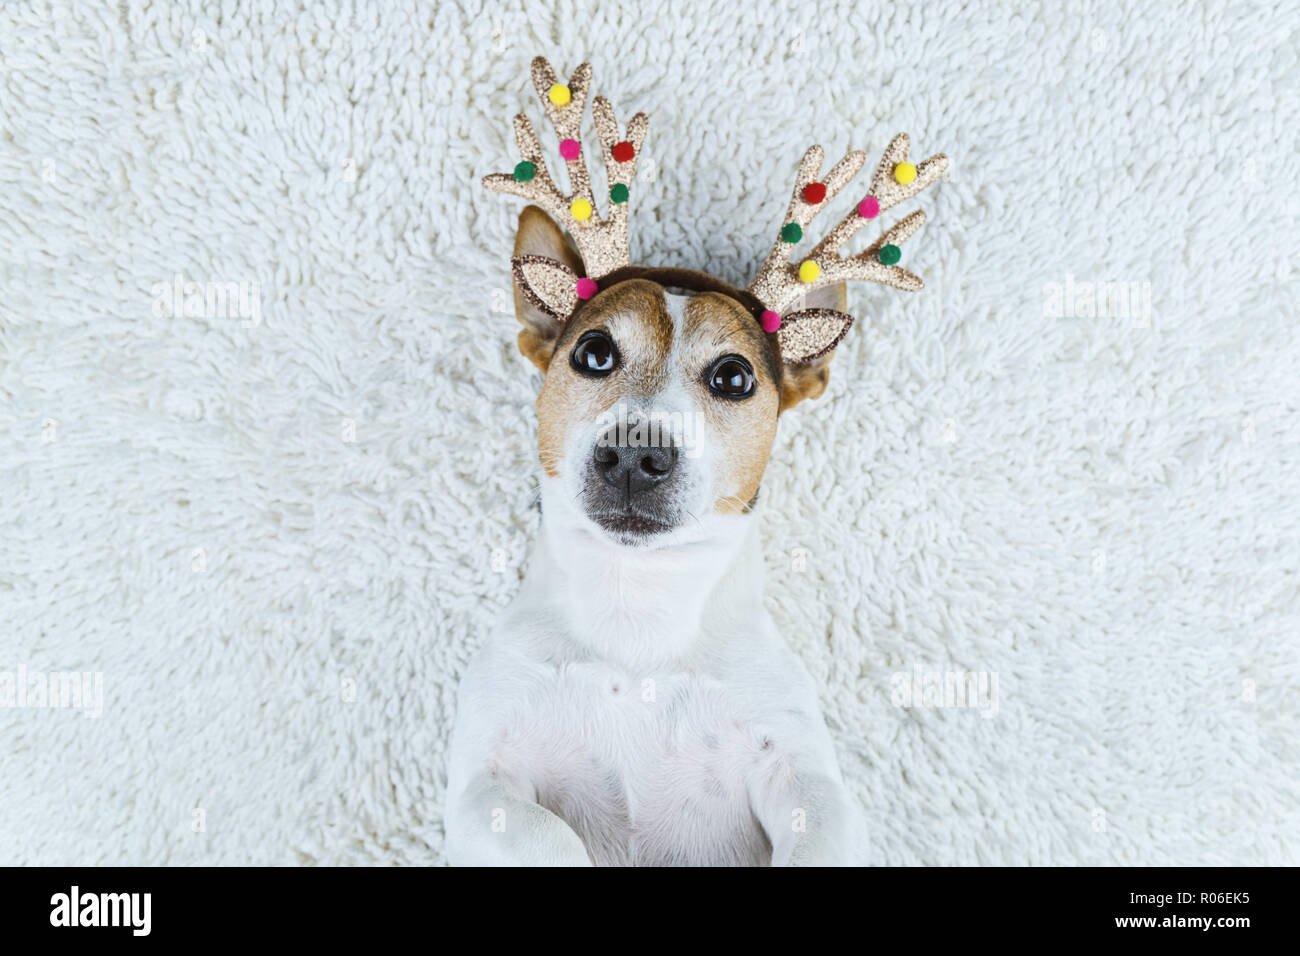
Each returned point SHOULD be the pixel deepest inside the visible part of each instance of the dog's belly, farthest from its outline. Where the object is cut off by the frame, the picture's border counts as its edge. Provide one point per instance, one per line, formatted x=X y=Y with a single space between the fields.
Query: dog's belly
x=651 y=772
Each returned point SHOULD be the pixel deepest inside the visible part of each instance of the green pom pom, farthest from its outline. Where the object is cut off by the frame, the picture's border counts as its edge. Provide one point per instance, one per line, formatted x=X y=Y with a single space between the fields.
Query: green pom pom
x=618 y=193
x=791 y=232
x=525 y=171
x=890 y=254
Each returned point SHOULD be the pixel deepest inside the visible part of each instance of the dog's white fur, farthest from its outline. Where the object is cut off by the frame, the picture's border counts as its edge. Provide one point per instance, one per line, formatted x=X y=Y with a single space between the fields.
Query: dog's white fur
x=637 y=705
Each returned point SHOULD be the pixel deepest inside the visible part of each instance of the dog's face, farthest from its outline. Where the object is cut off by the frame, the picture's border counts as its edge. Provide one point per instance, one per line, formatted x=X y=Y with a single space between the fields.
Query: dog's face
x=659 y=406
x=660 y=400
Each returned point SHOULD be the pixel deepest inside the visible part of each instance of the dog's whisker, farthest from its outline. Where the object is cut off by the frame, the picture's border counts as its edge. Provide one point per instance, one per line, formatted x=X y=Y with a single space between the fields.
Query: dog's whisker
x=734 y=328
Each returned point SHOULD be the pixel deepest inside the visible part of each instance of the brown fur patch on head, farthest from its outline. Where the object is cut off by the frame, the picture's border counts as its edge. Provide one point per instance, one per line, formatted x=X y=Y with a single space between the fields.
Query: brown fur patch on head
x=633 y=315
x=718 y=325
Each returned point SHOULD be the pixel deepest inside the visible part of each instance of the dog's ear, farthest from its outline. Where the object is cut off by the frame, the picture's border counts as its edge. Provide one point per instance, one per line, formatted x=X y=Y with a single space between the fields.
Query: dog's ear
x=546 y=268
x=808 y=337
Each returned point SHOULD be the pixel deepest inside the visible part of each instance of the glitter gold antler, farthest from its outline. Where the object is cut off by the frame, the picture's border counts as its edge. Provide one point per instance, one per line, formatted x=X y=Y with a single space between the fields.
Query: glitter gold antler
x=601 y=241
x=780 y=282
x=556 y=290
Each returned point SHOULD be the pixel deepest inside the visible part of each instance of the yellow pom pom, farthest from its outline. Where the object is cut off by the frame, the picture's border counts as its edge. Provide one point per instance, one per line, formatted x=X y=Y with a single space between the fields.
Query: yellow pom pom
x=809 y=271
x=581 y=210
x=904 y=173
x=559 y=95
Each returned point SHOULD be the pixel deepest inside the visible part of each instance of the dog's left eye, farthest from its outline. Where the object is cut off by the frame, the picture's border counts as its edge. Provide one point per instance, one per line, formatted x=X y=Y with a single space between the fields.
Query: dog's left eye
x=595 y=354
x=731 y=377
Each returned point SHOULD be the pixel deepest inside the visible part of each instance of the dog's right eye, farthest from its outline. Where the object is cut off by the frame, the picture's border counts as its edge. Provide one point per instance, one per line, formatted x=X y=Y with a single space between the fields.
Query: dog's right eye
x=594 y=355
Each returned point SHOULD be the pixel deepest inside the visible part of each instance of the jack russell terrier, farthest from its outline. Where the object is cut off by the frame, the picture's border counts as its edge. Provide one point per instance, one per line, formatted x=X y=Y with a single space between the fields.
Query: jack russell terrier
x=635 y=704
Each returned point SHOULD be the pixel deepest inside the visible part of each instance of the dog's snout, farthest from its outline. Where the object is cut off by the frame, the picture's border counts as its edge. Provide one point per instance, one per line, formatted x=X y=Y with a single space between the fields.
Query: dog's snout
x=635 y=467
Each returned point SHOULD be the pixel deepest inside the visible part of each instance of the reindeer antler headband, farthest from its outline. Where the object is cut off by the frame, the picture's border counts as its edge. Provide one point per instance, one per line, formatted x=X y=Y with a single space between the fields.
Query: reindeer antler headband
x=804 y=335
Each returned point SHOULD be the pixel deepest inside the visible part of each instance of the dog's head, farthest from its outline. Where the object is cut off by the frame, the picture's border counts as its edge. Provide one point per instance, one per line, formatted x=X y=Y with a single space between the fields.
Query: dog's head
x=660 y=395
x=662 y=387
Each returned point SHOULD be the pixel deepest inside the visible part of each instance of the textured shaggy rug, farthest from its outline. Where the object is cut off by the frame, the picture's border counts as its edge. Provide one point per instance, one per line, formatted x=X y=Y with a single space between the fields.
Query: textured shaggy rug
x=271 y=528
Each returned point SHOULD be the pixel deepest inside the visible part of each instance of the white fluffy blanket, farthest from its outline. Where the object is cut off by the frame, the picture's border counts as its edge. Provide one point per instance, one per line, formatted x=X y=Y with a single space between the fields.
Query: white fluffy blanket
x=276 y=527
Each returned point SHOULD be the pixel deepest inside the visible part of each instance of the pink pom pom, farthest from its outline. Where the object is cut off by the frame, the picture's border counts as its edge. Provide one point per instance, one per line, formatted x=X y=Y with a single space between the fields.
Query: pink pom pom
x=869 y=208
x=769 y=320
x=586 y=288
x=570 y=148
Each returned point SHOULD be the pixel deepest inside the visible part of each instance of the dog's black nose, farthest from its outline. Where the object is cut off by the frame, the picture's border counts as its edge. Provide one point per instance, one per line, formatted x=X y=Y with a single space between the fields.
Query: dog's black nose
x=635 y=467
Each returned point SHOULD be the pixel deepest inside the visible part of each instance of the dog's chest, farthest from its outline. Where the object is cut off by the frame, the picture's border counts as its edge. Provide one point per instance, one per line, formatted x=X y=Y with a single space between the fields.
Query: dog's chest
x=649 y=769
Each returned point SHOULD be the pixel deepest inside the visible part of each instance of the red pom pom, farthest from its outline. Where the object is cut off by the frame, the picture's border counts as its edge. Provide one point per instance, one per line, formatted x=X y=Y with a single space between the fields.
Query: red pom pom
x=623 y=152
x=814 y=193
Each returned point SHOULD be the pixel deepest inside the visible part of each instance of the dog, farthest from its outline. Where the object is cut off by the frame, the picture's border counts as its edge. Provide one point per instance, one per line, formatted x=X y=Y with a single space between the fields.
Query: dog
x=635 y=704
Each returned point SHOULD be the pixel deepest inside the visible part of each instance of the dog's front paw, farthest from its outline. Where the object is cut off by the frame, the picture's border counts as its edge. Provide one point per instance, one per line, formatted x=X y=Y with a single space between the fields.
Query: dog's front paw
x=836 y=839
